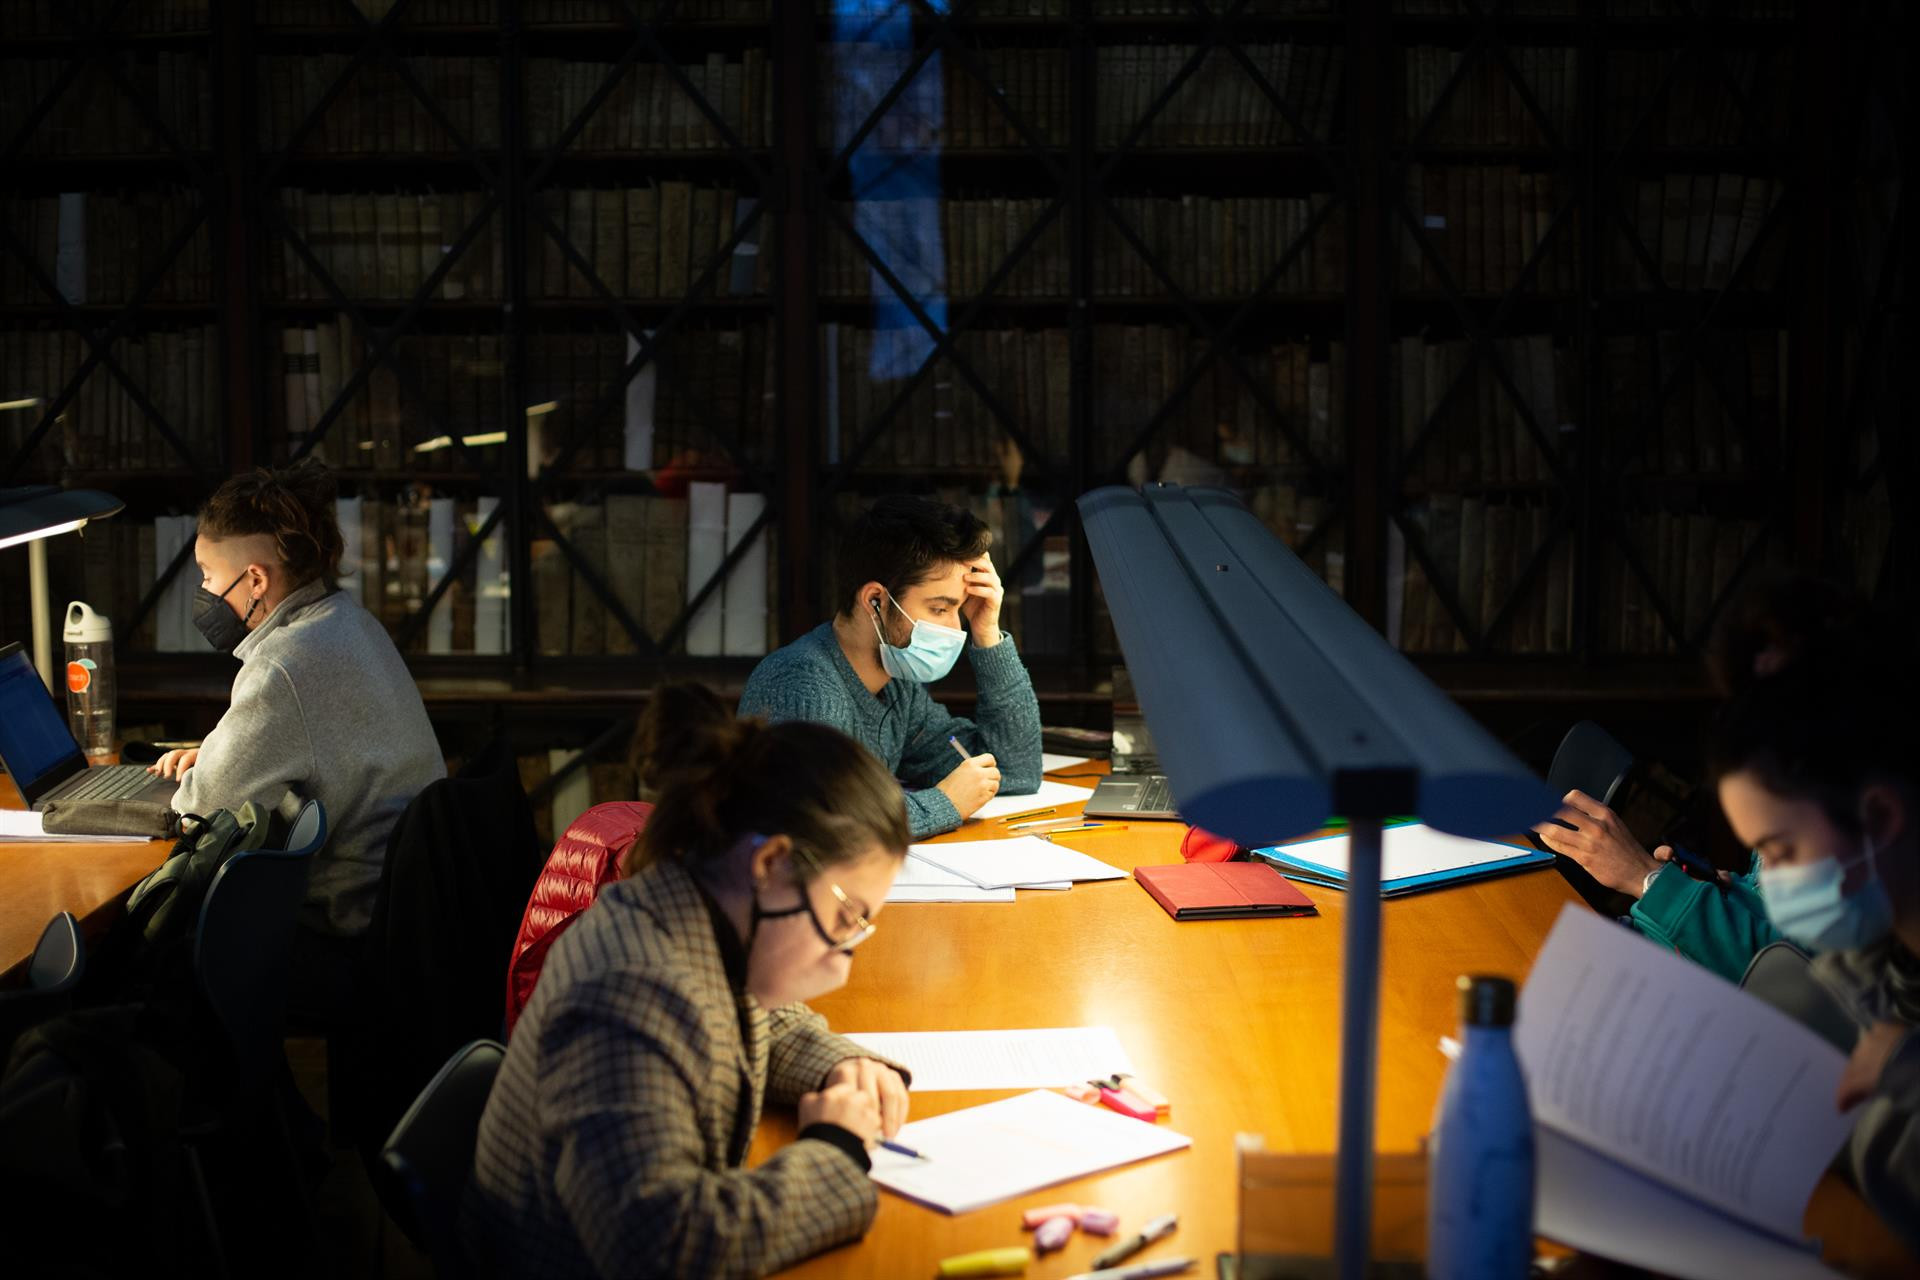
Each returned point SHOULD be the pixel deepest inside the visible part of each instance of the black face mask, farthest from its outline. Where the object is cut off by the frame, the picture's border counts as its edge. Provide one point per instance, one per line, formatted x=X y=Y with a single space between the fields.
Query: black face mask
x=223 y=630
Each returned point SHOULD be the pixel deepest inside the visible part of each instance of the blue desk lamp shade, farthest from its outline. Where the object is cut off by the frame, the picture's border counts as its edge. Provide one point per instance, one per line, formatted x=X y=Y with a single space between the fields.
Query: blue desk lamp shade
x=1272 y=704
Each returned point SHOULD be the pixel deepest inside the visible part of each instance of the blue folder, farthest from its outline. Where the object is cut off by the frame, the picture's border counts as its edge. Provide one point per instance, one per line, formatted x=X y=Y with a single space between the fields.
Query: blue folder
x=1296 y=862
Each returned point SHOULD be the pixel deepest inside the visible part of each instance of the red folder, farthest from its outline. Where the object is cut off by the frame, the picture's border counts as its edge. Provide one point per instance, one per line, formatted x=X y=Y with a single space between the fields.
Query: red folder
x=1223 y=890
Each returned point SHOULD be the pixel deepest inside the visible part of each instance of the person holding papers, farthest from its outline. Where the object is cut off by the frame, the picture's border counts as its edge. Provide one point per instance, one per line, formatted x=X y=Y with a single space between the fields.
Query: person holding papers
x=1818 y=771
x=322 y=707
x=614 y=1138
x=913 y=573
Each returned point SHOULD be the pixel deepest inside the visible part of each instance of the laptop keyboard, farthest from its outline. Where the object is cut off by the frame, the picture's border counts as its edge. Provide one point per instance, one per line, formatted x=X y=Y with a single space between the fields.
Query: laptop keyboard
x=1155 y=796
x=114 y=782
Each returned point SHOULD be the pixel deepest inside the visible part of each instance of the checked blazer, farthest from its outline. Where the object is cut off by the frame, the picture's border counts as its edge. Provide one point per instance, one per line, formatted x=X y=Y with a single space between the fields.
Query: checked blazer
x=614 y=1138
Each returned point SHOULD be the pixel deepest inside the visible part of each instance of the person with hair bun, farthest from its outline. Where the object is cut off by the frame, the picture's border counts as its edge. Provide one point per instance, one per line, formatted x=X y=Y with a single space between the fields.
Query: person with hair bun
x=1818 y=772
x=321 y=708
x=615 y=1137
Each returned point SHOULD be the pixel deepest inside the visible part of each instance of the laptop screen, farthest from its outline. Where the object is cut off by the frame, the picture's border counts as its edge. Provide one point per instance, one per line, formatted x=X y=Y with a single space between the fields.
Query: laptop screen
x=34 y=739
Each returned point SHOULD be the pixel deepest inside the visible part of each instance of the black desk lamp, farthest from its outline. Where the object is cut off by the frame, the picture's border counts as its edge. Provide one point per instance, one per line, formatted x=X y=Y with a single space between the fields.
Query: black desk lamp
x=31 y=514
x=1274 y=707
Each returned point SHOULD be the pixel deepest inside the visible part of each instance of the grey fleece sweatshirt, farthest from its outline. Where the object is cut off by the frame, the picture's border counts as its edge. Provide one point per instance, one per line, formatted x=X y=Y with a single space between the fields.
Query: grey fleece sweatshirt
x=811 y=679
x=322 y=708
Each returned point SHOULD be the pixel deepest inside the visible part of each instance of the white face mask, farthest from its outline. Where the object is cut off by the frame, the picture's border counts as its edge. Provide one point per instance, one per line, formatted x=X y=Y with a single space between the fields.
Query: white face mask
x=928 y=654
x=1808 y=902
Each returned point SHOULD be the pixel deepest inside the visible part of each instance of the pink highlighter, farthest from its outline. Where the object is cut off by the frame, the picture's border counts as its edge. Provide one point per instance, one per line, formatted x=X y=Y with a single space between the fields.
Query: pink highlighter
x=1053 y=1234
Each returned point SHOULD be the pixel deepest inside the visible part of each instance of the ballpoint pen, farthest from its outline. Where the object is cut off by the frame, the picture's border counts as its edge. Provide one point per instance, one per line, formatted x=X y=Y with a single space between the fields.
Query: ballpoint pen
x=901 y=1148
x=1139 y=1270
x=1031 y=813
x=954 y=742
x=1071 y=820
x=1119 y=1253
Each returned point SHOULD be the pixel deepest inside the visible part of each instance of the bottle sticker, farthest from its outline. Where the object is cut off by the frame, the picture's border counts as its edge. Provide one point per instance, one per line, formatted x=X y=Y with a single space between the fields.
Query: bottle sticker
x=80 y=675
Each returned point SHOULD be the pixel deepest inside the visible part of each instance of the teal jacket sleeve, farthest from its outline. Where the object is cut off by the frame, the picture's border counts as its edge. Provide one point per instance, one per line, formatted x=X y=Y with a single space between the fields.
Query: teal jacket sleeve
x=929 y=812
x=1719 y=931
x=1008 y=726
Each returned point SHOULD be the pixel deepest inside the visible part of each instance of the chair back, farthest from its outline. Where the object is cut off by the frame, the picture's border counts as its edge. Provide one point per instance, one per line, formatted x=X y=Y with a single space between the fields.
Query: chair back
x=245 y=942
x=1781 y=975
x=1591 y=760
x=429 y=1154
x=59 y=958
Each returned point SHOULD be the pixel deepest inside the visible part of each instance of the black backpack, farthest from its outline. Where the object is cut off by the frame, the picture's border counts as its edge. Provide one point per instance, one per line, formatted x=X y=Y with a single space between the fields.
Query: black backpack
x=149 y=954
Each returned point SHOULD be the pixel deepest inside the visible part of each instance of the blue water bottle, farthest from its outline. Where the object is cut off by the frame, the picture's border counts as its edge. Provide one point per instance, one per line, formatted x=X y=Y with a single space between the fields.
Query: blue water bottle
x=1480 y=1159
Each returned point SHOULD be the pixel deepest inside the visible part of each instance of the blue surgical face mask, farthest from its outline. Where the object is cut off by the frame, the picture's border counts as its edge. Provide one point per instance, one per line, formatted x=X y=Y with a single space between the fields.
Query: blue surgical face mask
x=1808 y=902
x=928 y=654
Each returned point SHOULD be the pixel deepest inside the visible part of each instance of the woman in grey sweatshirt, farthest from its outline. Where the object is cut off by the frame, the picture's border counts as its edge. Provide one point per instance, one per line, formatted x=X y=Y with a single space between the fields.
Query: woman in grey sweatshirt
x=322 y=707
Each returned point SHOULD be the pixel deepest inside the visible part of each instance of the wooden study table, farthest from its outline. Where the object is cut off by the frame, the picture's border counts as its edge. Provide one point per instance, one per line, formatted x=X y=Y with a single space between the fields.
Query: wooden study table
x=40 y=880
x=1236 y=1021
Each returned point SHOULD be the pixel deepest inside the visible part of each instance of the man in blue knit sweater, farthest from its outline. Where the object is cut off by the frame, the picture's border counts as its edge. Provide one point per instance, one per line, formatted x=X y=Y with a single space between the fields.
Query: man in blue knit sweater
x=912 y=572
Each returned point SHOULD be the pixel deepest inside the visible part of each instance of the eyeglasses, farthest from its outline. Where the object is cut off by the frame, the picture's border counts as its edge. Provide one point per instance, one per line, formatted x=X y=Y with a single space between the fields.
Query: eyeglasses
x=850 y=922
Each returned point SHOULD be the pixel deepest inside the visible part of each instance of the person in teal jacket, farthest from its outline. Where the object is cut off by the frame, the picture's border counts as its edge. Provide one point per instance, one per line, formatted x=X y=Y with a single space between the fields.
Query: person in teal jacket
x=1720 y=925
x=917 y=588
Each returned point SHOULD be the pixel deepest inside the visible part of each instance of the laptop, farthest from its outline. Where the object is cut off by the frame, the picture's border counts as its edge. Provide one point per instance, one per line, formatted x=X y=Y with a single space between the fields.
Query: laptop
x=1136 y=788
x=1132 y=795
x=42 y=754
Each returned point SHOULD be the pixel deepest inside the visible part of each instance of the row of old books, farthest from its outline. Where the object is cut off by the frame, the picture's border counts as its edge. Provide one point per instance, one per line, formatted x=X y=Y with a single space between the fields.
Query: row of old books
x=1459 y=421
x=374 y=111
x=1699 y=228
x=1711 y=103
x=946 y=247
x=654 y=554
x=1478 y=551
x=1485 y=107
x=383 y=244
x=1221 y=425
x=104 y=427
x=94 y=115
x=944 y=421
x=1739 y=10
x=868 y=10
x=1218 y=104
x=1675 y=413
x=400 y=546
x=703 y=401
x=463 y=13
x=651 y=241
x=1692 y=559
x=101 y=246
x=946 y=105
x=82 y=17
x=1218 y=247
x=1483 y=224
x=649 y=108
x=406 y=411
x=561 y=786
x=703 y=398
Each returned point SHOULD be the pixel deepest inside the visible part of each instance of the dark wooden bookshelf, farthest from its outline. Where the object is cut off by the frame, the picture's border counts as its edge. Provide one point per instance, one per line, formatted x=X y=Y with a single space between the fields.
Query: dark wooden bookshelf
x=1344 y=490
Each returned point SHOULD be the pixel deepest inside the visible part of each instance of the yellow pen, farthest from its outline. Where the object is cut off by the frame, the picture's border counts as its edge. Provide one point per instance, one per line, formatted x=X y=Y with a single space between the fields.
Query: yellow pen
x=987 y=1262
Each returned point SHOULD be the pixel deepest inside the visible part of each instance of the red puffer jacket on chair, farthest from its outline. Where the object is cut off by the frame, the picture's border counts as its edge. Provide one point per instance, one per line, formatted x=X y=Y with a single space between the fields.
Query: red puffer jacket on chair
x=584 y=858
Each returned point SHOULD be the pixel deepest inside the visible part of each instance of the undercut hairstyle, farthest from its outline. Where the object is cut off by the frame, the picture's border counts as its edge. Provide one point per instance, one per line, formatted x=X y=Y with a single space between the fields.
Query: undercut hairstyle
x=293 y=506
x=902 y=540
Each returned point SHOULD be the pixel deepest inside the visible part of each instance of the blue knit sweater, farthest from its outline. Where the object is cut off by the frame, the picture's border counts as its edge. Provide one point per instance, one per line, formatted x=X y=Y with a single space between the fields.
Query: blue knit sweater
x=811 y=679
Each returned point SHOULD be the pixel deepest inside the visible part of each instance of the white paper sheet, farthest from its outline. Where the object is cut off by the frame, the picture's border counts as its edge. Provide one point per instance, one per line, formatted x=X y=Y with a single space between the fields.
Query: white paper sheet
x=1041 y=1058
x=1050 y=793
x=922 y=881
x=986 y=1154
x=1667 y=1069
x=24 y=824
x=1018 y=861
x=1051 y=762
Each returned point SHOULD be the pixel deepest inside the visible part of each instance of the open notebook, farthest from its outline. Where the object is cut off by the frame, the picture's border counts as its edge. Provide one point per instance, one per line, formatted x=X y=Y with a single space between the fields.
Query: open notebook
x=1681 y=1124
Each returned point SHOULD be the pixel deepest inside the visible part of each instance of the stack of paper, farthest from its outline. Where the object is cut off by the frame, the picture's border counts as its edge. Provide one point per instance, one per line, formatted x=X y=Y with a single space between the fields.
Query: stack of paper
x=1051 y=794
x=987 y=1154
x=920 y=881
x=1024 y=862
x=1035 y=1058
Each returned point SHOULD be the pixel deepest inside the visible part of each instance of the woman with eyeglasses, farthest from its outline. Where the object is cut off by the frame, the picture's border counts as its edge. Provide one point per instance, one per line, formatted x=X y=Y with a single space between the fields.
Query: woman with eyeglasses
x=614 y=1139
